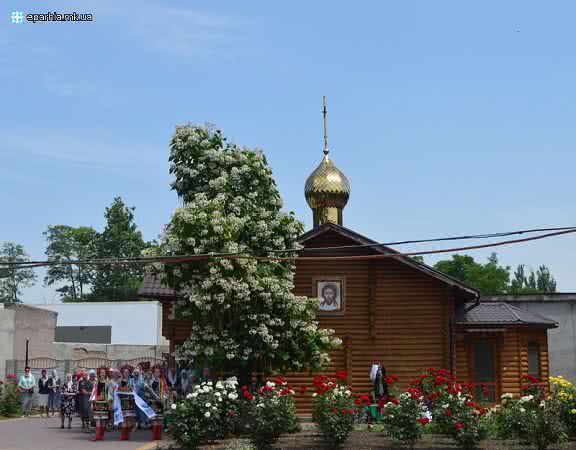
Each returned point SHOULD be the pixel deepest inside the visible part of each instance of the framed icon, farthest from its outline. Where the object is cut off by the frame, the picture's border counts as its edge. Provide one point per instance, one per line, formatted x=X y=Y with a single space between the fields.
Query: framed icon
x=330 y=292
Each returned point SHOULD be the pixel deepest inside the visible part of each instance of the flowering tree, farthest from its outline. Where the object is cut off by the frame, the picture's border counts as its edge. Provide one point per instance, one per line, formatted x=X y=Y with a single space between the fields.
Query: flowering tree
x=244 y=314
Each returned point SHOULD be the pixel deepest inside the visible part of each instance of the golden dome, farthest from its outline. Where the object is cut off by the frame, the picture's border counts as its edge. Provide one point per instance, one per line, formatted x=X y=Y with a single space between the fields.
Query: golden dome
x=327 y=186
x=327 y=189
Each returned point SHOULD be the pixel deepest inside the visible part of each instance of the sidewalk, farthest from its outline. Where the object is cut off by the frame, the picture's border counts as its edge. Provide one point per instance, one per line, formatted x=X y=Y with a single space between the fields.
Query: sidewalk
x=45 y=434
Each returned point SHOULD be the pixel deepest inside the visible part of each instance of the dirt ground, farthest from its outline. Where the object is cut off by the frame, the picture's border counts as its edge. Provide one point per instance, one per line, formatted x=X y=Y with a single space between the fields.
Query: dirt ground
x=365 y=440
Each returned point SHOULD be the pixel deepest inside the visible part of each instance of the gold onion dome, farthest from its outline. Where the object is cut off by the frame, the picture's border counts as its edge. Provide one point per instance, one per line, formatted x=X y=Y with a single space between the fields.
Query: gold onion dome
x=327 y=186
x=327 y=189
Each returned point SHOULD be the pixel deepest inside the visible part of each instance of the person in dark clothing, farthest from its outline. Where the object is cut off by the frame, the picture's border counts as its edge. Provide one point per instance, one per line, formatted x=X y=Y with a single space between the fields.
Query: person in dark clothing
x=44 y=390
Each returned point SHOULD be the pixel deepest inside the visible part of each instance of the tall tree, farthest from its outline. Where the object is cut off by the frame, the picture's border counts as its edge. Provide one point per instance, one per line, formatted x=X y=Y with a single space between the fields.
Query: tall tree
x=489 y=278
x=120 y=239
x=66 y=243
x=540 y=282
x=13 y=279
x=244 y=312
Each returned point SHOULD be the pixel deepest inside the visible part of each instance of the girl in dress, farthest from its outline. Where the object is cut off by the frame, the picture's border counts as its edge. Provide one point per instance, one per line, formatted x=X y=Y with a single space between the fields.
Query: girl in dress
x=125 y=392
x=157 y=393
x=101 y=403
x=68 y=393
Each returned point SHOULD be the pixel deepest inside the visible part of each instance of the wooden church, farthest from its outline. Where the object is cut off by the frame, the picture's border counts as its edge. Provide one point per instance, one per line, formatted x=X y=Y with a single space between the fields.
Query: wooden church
x=395 y=311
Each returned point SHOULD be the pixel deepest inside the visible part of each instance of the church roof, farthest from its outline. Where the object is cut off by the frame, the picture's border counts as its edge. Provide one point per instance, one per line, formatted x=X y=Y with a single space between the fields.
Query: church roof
x=382 y=249
x=499 y=313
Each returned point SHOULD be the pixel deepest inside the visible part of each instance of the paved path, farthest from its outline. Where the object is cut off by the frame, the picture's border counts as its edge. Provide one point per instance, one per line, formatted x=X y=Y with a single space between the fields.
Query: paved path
x=45 y=434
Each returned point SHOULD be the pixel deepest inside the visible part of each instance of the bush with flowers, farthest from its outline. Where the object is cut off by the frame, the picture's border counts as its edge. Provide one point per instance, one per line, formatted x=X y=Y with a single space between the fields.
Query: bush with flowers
x=10 y=400
x=405 y=416
x=334 y=408
x=533 y=420
x=565 y=393
x=207 y=413
x=453 y=408
x=270 y=412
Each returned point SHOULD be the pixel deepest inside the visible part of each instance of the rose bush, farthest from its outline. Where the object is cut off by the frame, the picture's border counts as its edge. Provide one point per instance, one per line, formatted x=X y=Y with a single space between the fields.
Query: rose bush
x=208 y=413
x=534 y=420
x=453 y=408
x=10 y=400
x=334 y=408
x=531 y=420
x=565 y=393
x=405 y=416
x=270 y=412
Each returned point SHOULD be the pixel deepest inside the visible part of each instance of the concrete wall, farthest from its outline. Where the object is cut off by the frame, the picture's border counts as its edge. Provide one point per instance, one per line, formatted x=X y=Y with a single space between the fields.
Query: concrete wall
x=133 y=323
x=38 y=326
x=562 y=340
x=19 y=322
x=7 y=317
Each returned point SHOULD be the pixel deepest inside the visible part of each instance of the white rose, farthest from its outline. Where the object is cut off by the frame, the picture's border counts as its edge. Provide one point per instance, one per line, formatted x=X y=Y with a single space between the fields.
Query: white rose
x=207 y=414
x=208 y=405
x=189 y=396
x=173 y=405
x=314 y=394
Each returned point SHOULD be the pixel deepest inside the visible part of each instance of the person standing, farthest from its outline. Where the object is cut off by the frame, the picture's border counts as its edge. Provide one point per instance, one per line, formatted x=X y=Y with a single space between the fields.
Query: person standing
x=26 y=385
x=68 y=392
x=55 y=384
x=85 y=387
x=43 y=393
x=125 y=393
x=157 y=393
x=138 y=382
x=101 y=403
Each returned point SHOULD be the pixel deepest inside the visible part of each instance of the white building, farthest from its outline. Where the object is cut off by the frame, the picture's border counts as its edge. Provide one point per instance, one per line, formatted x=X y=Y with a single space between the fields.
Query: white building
x=113 y=323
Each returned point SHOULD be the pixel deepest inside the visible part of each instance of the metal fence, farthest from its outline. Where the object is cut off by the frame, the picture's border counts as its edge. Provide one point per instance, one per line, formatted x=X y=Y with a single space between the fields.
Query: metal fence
x=16 y=366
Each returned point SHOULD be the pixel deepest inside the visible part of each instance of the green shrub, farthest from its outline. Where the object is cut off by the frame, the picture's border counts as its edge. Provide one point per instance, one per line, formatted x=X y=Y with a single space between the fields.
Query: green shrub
x=206 y=414
x=405 y=416
x=334 y=409
x=271 y=412
x=531 y=421
x=10 y=400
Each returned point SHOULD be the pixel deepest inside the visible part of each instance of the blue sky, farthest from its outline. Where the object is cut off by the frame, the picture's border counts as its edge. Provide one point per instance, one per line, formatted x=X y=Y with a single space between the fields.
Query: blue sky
x=448 y=117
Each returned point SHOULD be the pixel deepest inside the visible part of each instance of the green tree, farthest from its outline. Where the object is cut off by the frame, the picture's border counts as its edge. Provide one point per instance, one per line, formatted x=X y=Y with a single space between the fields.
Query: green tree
x=66 y=243
x=13 y=279
x=540 y=282
x=488 y=278
x=119 y=240
x=244 y=313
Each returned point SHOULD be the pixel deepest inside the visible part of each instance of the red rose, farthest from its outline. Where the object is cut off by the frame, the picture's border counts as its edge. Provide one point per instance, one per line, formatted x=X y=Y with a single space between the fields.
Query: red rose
x=424 y=420
x=482 y=411
x=449 y=413
x=469 y=403
x=303 y=389
x=244 y=388
x=486 y=391
x=248 y=396
x=459 y=425
x=232 y=413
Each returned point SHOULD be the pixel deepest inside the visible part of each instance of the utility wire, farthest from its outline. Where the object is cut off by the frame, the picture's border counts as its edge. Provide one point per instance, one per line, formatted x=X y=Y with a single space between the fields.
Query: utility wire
x=307 y=249
x=189 y=258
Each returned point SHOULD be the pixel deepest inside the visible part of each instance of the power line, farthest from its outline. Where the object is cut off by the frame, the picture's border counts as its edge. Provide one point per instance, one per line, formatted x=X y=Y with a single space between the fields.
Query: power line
x=393 y=254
